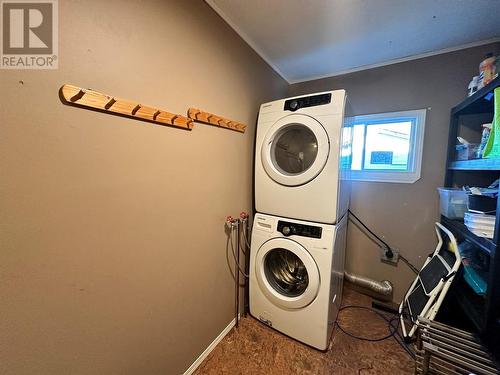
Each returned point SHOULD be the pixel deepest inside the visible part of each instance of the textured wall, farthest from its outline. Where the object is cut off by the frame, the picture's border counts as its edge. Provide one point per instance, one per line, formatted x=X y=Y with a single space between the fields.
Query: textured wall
x=112 y=238
x=403 y=214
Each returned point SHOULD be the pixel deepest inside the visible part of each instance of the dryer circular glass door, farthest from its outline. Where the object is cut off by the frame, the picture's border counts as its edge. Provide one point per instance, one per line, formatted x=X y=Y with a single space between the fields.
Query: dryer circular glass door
x=287 y=274
x=295 y=150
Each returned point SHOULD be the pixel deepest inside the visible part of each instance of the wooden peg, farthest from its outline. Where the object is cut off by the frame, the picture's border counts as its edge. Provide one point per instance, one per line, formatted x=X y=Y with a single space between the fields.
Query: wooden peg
x=203 y=117
x=225 y=123
x=146 y=113
x=165 y=117
x=214 y=120
x=193 y=113
x=198 y=115
x=182 y=121
x=78 y=95
x=155 y=115
x=240 y=127
x=110 y=103
x=136 y=108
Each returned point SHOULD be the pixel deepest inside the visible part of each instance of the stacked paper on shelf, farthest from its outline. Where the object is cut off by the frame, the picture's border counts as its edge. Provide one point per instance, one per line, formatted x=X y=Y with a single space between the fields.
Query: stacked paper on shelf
x=481 y=225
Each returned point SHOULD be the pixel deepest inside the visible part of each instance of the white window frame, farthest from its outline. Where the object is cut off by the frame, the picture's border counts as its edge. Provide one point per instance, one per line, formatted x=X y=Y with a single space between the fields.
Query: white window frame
x=416 y=149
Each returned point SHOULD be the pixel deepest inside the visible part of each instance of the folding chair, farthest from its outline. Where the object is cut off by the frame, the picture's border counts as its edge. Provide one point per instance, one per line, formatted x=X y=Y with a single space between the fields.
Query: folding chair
x=428 y=290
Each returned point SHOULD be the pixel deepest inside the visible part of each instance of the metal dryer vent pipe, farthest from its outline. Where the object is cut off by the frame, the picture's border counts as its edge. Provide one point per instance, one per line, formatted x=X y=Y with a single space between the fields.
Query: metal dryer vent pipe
x=383 y=287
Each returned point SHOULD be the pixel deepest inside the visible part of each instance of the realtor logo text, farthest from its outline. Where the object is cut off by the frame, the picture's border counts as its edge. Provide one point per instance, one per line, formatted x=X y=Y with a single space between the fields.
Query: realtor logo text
x=29 y=34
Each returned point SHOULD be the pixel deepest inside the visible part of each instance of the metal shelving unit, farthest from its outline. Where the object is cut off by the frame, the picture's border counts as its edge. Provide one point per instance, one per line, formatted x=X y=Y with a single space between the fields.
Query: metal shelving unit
x=459 y=227
x=476 y=165
x=482 y=311
x=480 y=102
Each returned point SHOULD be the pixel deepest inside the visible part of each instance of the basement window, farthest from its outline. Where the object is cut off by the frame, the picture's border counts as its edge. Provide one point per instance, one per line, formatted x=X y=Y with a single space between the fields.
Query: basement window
x=387 y=147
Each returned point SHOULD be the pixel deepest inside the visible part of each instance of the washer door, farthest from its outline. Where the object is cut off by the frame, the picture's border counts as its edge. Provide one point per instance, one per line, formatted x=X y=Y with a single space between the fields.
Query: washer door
x=287 y=274
x=295 y=150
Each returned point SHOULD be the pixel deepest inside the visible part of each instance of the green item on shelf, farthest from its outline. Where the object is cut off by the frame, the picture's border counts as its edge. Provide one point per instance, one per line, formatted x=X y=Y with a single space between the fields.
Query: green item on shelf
x=476 y=279
x=492 y=149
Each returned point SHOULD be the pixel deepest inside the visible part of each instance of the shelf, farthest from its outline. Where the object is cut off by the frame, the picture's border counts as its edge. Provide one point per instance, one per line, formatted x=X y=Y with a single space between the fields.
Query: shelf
x=480 y=102
x=471 y=303
x=459 y=227
x=476 y=165
x=482 y=311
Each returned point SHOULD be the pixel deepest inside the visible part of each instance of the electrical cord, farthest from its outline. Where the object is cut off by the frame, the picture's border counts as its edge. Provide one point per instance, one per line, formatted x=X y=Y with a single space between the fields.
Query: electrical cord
x=369 y=230
x=393 y=330
x=389 y=252
x=399 y=339
x=410 y=266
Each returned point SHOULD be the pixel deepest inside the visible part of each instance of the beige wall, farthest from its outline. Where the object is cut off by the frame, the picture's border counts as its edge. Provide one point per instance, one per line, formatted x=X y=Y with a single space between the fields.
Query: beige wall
x=403 y=214
x=112 y=230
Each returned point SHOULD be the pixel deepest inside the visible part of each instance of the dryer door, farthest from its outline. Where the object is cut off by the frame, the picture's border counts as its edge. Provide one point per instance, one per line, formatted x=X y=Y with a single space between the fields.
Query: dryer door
x=295 y=150
x=287 y=274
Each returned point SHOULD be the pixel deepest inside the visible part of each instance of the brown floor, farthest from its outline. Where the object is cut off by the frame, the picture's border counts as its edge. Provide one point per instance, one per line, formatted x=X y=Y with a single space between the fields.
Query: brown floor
x=254 y=348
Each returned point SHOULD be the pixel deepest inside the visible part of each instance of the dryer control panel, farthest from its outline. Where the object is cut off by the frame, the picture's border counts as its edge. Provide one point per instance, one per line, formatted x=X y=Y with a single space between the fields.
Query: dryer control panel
x=288 y=229
x=307 y=101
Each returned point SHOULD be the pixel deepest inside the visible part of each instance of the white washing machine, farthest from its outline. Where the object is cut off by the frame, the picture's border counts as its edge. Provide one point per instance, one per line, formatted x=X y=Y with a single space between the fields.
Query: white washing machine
x=302 y=157
x=296 y=276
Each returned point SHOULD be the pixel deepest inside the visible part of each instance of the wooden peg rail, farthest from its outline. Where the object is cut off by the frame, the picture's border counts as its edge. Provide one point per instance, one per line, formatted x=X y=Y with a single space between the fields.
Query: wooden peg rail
x=93 y=99
x=198 y=115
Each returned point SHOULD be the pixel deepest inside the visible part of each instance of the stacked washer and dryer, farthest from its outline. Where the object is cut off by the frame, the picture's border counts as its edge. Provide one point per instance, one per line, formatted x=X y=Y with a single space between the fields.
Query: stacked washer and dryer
x=302 y=189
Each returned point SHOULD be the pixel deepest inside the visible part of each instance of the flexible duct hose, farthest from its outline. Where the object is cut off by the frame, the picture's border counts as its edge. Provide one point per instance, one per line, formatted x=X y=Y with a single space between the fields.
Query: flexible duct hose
x=383 y=287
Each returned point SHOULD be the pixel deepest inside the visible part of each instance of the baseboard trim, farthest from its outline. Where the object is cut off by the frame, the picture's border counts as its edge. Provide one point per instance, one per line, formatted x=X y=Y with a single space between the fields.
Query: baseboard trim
x=210 y=347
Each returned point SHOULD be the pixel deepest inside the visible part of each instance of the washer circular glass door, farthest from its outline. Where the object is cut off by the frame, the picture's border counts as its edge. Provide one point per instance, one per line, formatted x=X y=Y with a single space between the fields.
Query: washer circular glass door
x=287 y=274
x=295 y=150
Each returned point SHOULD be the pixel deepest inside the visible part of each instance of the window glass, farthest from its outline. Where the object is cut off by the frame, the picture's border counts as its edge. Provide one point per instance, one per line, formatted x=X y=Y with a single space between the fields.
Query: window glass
x=358 y=140
x=346 y=148
x=387 y=147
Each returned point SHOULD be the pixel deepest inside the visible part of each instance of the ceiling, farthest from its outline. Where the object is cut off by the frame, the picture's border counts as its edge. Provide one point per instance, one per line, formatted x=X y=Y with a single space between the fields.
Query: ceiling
x=309 y=39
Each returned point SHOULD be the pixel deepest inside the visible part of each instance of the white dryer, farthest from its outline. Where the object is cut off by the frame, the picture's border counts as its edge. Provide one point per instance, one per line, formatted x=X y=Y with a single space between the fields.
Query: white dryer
x=302 y=157
x=296 y=276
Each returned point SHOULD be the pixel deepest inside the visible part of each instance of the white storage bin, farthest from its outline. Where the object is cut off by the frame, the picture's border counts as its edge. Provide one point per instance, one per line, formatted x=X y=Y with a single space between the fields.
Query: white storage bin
x=453 y=202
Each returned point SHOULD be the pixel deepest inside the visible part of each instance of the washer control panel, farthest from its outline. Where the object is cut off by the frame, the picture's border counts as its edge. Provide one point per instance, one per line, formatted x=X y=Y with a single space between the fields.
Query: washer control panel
x=288 y=229
x=307 y=101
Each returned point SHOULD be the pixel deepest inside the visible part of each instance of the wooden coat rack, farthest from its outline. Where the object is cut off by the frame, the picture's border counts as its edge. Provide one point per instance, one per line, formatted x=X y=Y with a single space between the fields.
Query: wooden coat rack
x=198 y=115
x=109 y=104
